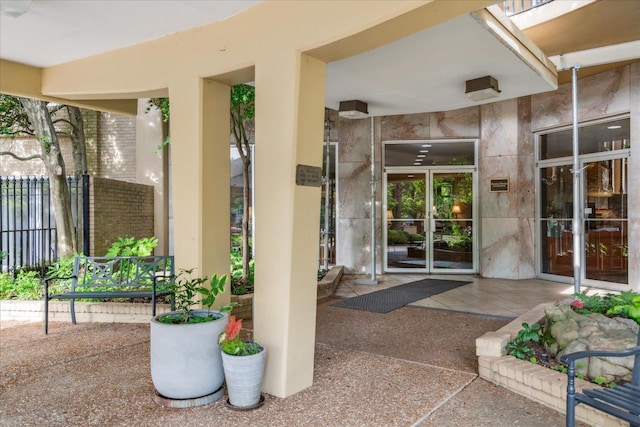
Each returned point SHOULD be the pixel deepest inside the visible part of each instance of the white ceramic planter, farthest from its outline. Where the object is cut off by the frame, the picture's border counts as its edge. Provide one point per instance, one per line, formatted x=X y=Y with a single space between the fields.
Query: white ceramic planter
x=185 y=359
x=243 y=375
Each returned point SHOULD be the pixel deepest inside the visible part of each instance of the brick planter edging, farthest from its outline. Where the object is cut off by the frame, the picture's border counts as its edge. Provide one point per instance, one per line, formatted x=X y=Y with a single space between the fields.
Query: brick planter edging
x=113 y=312
x=532 y=381
x=326 y=287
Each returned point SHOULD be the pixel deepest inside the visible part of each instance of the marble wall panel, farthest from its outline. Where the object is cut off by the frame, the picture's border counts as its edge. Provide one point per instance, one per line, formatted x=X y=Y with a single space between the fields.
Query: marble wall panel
x=405 y=126
x=498 y=205
x=526 y=263
x=354 y=252
x=501 y=248
x=526 y=140
x=499 y=134
x=525 y=186
x=464 y=122
x=599 y=95
x=354 y=140
x=354 y=190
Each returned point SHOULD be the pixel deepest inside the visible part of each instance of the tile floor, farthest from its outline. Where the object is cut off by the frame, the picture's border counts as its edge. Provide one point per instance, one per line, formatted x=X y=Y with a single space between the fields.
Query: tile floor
x=497 y=297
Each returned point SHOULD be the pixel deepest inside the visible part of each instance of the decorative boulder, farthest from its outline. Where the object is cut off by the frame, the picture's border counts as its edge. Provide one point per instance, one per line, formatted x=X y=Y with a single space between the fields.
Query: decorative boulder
x=567 y=332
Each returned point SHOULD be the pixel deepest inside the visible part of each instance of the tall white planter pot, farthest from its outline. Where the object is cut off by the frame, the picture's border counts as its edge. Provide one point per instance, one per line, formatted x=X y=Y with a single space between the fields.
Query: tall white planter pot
x=243 y=376
x=185 y=358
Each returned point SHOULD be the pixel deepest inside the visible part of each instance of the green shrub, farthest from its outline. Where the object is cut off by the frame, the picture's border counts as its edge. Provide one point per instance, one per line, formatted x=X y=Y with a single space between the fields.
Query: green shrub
x=238 y=287
x=518 y=347
x=129 y=246
x=397 y=237
x=26 y=285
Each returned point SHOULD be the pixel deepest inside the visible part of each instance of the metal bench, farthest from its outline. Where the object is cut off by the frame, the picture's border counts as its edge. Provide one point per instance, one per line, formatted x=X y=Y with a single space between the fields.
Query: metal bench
x=622 y=402
x=115 y=277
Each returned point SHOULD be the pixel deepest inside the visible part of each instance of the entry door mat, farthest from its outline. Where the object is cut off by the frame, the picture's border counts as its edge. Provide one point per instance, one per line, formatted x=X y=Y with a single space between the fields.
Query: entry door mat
x=393 y=298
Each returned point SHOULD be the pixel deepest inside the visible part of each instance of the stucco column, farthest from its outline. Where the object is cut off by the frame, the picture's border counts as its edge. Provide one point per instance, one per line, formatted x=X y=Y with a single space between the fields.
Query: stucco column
x=200 y=176
x=289 y=131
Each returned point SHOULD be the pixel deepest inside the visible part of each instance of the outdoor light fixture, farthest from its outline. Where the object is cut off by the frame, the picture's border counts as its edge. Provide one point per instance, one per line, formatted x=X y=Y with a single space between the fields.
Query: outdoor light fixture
x=14 y=8
x=353 y=109
x=483 y=88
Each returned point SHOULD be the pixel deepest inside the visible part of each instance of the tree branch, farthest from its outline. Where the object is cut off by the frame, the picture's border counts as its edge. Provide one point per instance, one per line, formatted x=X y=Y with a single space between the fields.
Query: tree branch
x=22 y=159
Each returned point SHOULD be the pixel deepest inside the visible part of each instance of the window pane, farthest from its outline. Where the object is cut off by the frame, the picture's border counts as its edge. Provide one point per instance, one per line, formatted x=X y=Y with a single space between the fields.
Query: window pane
x=601 y=137
x=429 y=153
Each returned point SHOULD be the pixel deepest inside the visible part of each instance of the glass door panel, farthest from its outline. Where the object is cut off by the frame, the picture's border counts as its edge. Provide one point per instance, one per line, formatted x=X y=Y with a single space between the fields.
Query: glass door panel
x=406 y=221
x=452 y=231
x=556 y=213
x=606 y=245
x=605 y=256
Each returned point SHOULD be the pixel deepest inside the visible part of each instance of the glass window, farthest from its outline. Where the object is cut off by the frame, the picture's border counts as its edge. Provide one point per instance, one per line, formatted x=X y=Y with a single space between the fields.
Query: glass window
x=429 y=153
x=594 y=138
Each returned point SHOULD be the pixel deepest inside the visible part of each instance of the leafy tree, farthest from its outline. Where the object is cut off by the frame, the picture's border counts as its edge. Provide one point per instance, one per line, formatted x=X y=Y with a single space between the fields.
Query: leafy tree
x=242 y=115
x=31 y=117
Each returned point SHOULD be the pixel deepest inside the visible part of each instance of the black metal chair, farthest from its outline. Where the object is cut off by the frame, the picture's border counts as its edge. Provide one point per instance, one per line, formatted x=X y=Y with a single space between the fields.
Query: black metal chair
x=622 y=402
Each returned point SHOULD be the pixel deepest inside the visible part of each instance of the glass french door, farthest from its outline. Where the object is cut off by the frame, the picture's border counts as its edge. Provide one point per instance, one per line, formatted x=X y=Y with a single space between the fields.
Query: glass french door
x=429 y=221
x=604 y=207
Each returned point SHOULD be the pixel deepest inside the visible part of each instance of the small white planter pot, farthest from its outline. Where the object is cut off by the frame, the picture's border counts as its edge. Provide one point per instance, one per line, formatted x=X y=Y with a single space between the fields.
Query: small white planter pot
x=243 y=375
x=185 y=358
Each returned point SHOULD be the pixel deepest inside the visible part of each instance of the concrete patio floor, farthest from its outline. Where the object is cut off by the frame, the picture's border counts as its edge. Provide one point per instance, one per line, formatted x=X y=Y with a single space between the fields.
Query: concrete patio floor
x=412 y=366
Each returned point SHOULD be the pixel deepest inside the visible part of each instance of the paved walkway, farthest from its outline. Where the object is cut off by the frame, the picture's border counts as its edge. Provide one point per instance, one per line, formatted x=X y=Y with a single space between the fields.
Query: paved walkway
x=412 y=366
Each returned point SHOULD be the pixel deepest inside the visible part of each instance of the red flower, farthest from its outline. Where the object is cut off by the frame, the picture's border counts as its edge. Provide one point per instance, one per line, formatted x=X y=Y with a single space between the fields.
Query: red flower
x=577 y=304
x=233 y=328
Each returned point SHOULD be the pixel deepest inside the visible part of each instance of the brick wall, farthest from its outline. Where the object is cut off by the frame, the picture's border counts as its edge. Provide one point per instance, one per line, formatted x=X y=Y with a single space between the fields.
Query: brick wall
x=119 y=209
x=108 y=137
x=117 y=142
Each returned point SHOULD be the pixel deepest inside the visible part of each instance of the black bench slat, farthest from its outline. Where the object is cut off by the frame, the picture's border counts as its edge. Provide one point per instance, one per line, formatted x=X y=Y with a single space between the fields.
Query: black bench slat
x=622 y=396
x=623 y=414
x=147 y=277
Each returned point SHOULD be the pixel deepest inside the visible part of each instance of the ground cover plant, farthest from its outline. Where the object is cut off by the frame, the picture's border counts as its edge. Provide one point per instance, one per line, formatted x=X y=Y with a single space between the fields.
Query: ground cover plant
x=528 y=343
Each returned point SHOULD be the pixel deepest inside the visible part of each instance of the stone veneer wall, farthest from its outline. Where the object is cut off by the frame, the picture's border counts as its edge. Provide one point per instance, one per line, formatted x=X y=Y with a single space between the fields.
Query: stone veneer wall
x=119 y=209
x=506 y=150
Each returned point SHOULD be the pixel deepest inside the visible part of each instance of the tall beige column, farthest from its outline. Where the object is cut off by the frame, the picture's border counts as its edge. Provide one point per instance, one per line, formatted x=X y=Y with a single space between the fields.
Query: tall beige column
x=200 y=175
x=289 y=127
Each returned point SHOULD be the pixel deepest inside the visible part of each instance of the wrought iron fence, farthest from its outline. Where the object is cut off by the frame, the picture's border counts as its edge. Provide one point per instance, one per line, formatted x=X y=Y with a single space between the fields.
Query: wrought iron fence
x=28 y=236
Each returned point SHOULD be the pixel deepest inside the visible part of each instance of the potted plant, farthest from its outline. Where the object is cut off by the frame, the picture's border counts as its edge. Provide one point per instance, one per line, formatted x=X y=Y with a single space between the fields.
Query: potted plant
x=243 y=363
x=185 y=356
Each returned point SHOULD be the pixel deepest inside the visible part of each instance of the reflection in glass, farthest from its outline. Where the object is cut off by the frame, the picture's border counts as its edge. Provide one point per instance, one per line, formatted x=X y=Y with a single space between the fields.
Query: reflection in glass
x=605 y=220
x=406 y=204
x=452 y=244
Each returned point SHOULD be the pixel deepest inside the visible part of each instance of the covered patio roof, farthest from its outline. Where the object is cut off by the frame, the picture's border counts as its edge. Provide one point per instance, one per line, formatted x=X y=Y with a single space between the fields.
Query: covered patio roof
x=424 y=69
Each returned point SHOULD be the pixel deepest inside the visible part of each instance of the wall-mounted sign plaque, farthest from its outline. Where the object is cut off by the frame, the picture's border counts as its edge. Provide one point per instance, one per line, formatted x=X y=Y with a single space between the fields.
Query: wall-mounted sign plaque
x=309 y=176
x=500 y=185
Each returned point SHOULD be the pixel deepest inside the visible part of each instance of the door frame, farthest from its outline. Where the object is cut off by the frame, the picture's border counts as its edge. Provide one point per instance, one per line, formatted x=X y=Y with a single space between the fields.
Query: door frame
x=428 y=173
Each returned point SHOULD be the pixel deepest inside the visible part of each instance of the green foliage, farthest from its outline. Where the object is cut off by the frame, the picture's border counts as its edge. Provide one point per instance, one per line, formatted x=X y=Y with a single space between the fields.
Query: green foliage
x=186 y=288
x=231 y=343
x=518 y=346
x=239 y=286
x=397 y=237
x=626 y=304
x=129 y=246
x=13 y=117
x=243 y=102
x=462 y=238
x=591 y=303
x=25 y=285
